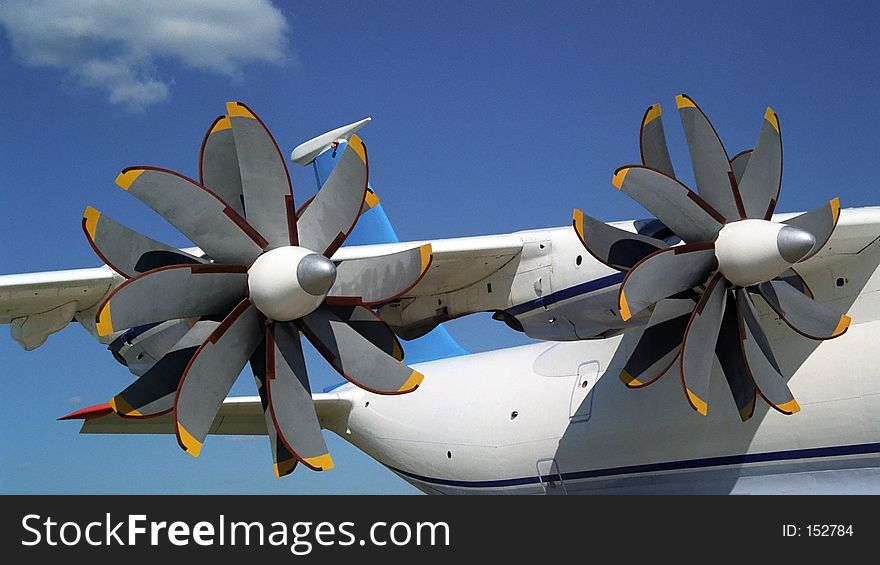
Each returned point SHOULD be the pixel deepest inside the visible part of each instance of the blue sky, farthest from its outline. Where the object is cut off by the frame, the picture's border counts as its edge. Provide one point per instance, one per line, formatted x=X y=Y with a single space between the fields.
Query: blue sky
x=488 y=118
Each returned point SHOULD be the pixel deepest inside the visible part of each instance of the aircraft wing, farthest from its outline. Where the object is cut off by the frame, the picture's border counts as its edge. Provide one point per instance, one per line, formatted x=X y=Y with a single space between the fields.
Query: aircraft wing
x=457 y=263
x=241 y=415
x=39 y=304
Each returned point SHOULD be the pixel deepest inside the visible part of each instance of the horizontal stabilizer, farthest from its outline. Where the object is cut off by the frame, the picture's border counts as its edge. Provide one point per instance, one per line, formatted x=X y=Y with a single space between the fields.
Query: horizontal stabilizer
x=241 y=415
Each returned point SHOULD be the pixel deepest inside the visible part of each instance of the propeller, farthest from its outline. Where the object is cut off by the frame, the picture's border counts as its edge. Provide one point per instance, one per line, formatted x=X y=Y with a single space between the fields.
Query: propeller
x=266 y=276
x=700 y=293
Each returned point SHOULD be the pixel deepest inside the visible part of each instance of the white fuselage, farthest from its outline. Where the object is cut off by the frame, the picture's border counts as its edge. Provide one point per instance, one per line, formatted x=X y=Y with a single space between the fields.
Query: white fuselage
x=554 y=417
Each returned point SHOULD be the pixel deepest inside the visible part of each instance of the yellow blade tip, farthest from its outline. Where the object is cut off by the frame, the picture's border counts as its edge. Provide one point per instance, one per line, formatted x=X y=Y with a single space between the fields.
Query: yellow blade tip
x=90 y=221
x=320 y=463
x=127 y=177
x=235 y=109
x=283 y=468
x=121 y=407
x=698 y=404
x=652 y=114
x=746 y=411
x=190 y=444
x=426 y=252
x=222 y=124
x=371 y=199
x=104 y=324
x=414 y=380
x=578 y=222
x=625 y=314
x=771 y=117
x=357 y=145
x=684 y=101
x=629 y=380
x=617 y=179
x=790 y=407
x=835 y=208
x=842 y=325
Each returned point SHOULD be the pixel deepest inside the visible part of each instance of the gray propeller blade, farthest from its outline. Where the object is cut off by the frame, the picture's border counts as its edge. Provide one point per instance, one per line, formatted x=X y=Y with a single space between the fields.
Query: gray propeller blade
x=332 y=214
x=265 y=182
x=371 y=326
x=283 y=461
x=376 y=280
x=218 y=164
x=797 y=282
x=290 y=398
x=355 y=357
x=617 y=248
x=803 y=314
x=663 y=274
x=759 y=359
x=126 y=251
x=211 y=373
x=674 y=204
x=820 y=222
x=712 y=170
x=760 y=183
x=153 y=393
x=700 y=339
x=660 y=343
x=178 y=291
x=739 y=164
x=142 y=347
x=652 y=142
x=730 y=356
x=197 y=212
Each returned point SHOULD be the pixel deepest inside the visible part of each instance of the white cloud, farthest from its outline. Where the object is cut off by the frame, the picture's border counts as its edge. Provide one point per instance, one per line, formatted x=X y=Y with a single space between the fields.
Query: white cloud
x=115 y=46
x=74 y=400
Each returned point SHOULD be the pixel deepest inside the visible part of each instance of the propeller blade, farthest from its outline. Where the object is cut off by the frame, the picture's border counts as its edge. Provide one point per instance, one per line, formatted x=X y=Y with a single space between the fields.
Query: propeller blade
x=218 y=164
x=739 y=163
x=265 y=181
x=664 y=273
x=376 y=280
x=617 y=248
x=355 y=357
x=803 y=314
x=652 y=142
x=331 y=216
x=142 y=347
x=660 y=343
x=283 y=461
x=211 y=373
x=820 y=222
x=712 y=170
x=126 y=251
x=290 y=398
x=197 y=212
x=730 y=356
x=759 y=359
x=791 y=277
x=674 y=204
x=153 y=393
x=700 y=339
x=168 y=293
x=371 y=326
x=759 y=187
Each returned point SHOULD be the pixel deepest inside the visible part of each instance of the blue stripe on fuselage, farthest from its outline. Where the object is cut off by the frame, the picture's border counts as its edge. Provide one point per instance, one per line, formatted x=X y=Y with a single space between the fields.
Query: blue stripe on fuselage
x=566 y=293
x=690 y=464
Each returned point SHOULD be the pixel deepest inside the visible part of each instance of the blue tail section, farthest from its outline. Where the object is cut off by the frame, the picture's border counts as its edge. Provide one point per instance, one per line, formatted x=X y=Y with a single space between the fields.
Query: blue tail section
x=373 y=227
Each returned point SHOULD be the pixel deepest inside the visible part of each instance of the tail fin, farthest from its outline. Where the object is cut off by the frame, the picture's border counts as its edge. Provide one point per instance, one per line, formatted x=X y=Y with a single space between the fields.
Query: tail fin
x=373 y=227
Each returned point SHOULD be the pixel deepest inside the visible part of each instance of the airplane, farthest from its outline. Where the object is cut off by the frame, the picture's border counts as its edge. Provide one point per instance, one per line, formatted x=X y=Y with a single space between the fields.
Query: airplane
x=755 y=330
